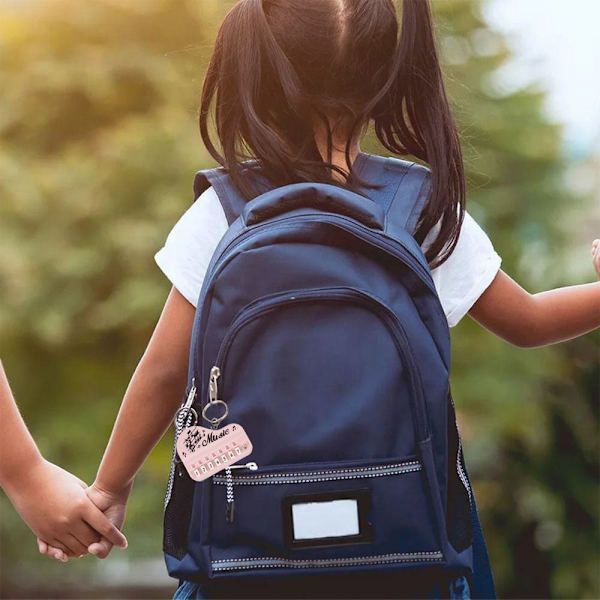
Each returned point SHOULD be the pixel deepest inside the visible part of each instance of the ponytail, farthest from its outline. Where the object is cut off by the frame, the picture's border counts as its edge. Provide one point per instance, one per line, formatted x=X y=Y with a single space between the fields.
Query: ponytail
x=412 y=116
x=249 y=72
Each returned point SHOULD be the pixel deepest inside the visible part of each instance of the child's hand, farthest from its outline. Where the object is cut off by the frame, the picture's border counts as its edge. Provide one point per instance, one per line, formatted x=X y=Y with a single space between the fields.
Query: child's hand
x=113 y=505
x=46 y=548
x=596 y=256
x=55 y=506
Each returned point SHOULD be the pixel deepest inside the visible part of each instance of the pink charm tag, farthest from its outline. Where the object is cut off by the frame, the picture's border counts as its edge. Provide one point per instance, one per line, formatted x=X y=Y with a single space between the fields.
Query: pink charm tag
x=205 y=452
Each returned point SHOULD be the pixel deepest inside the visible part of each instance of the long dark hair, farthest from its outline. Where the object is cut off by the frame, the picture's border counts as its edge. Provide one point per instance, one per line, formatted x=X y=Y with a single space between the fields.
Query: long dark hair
x=281 y=66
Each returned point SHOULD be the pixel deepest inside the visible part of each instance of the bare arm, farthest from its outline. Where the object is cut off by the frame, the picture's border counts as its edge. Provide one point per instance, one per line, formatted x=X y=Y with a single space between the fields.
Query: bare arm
x=17 y=448
x=531 y=320
x=152 y=397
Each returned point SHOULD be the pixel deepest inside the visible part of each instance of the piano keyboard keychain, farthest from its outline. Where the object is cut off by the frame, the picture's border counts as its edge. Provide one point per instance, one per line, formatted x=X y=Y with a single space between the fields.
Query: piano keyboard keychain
x=205 y=452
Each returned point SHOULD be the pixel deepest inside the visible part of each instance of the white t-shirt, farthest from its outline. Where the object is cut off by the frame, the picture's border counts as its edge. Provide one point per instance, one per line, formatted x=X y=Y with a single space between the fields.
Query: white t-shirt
x=459 y=281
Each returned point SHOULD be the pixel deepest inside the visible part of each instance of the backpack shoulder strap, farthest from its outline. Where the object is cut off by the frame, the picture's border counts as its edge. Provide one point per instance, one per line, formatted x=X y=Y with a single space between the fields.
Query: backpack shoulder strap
x=231 y=200
x=411 y=193
x=228 y=197
x=403 y=195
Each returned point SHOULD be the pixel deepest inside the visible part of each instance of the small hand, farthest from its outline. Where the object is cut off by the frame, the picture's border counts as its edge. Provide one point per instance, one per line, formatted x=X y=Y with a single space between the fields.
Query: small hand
x=56 y=508
x=51 y=551
x=114 y=506
x=596 y=256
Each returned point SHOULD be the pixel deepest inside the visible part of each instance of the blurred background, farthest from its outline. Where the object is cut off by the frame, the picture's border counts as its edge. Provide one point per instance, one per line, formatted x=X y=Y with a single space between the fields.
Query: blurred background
x=98 y=147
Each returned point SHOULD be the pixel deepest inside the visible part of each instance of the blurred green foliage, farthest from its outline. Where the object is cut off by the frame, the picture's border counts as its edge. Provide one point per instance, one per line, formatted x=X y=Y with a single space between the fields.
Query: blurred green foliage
x=98 y=146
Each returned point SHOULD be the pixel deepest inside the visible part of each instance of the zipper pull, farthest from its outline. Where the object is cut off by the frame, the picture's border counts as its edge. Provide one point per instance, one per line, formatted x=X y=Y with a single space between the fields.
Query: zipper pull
x=229 y=511
x=230 y=502
x=249 y=465
x=229 y=515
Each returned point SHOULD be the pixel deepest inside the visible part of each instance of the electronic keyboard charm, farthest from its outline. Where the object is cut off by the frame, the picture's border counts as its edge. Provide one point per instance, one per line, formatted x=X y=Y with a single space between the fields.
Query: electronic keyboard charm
x=204 y=451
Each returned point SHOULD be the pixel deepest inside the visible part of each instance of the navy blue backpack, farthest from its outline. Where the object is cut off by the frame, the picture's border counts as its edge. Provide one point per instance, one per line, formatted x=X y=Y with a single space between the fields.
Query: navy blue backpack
x=318 y=324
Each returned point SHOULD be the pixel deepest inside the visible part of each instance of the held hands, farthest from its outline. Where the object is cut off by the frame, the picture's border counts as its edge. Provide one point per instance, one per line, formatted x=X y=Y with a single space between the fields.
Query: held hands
x=55 y=506
x=52 y=502
x=111 y=507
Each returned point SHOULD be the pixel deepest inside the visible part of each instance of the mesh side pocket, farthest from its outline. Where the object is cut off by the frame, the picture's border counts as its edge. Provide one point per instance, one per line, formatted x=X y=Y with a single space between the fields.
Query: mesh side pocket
x=179 y=497
x=458 y=507
x=177 y=513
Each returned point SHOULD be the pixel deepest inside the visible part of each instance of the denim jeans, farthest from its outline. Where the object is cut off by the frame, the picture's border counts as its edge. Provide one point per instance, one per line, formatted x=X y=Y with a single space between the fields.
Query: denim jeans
x=458 y=589
x=482 y=582
x=188 y=590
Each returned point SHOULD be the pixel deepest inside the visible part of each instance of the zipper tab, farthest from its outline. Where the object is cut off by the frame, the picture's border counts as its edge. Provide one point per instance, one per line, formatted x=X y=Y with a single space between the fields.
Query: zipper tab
x=249 y=465
x=229 y=491
x=230 y=502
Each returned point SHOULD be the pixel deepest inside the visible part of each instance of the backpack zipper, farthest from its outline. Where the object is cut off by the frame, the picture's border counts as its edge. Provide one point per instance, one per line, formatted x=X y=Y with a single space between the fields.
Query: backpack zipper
x=315 y=475
x=374 y=559
x=459 y=468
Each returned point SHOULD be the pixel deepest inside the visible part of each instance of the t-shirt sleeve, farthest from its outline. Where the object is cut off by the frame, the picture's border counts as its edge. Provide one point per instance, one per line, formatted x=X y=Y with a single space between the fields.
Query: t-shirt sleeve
x=467 y=272
x=189 y=246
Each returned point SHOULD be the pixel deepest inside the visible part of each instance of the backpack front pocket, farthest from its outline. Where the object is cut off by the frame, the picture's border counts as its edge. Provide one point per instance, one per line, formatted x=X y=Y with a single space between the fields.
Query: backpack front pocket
x=307 y=347
x=328 y=516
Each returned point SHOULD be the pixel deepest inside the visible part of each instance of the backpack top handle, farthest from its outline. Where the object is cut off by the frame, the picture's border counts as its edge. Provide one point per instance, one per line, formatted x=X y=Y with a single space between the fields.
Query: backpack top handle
x=320 y=196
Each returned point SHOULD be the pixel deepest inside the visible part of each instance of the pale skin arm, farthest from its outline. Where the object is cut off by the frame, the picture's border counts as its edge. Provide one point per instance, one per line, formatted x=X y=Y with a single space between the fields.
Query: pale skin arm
x=156 y=389
x=50 y=500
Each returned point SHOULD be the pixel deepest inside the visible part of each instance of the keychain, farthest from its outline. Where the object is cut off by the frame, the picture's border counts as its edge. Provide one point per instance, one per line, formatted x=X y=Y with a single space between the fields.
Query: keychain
x=204 y=451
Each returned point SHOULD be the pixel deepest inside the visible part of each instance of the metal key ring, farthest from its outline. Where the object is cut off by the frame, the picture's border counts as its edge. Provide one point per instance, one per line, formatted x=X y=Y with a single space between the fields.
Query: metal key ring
x=183 y=409
x=215 y=420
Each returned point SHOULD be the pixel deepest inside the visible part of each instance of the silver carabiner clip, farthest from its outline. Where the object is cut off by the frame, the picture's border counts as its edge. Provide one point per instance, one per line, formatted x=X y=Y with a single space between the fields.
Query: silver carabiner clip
x=213 y=395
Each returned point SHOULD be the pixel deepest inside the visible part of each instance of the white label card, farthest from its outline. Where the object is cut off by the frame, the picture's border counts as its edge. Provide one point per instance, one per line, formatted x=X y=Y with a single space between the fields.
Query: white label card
x=311 y=520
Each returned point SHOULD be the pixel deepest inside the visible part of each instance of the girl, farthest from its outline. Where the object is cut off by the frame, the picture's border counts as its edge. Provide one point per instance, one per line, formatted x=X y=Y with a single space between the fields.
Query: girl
x=297 y=83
